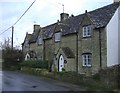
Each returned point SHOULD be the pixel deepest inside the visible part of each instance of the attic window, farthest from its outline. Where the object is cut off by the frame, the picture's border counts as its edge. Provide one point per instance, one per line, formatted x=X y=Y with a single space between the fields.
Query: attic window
x=57 y=37
x=39 y=40
x=87 y=31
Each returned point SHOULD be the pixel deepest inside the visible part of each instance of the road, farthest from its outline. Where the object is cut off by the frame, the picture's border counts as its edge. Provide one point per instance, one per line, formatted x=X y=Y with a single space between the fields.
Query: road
x=16 y=81
x=0 y=80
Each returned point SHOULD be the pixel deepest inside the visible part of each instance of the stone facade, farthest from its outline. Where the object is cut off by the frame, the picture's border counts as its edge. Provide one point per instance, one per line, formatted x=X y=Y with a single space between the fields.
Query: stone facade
x=49 y=51
x=67 y=41
x=75 y=48
x=25 y=44
x=92 y=45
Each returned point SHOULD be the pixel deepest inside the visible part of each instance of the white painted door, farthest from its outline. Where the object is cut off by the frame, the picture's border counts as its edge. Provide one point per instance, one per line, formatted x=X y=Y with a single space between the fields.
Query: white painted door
x=61 y=63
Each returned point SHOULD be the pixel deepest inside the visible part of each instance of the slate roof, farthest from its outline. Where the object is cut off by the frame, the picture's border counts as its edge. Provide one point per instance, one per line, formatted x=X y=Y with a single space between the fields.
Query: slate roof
x=34 y=36
x=100 y=18
x=28 y=36
x=68 y=52
x=48 y=31
x=71 y=25
x=68 y=26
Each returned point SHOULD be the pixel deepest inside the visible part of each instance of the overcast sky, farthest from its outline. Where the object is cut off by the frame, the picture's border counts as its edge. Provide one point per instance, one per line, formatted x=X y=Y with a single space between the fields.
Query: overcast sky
x=43 y=12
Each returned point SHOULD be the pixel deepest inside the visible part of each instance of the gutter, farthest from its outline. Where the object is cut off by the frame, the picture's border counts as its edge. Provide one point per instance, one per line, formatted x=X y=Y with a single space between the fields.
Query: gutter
x=77 y=52
x=44 y=54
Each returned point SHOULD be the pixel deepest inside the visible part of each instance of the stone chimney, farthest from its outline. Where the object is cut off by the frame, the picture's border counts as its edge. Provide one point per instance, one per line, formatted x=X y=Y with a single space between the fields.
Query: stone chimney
x=36 y=27
x=64 y=16
x=116 y=1
x=26 y=33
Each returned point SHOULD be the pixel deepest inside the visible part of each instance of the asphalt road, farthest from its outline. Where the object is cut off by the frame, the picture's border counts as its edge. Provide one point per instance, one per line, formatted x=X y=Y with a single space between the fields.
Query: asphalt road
x=0 y=80
x=16 y=81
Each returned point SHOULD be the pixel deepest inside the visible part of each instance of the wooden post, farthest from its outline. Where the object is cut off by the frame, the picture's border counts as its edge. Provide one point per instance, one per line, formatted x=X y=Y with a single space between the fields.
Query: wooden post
x=12 y=37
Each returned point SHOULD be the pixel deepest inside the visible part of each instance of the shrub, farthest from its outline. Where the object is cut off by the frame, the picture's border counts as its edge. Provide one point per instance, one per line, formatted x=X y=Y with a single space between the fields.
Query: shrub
x=96 y=76
x=35 y=64
x=63 y=69
x=55 y=69
x=11 y=58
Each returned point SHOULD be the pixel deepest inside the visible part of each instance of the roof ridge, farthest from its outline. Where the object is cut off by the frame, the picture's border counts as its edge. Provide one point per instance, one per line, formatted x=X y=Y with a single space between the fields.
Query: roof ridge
x=100 y=18
x=103 y=7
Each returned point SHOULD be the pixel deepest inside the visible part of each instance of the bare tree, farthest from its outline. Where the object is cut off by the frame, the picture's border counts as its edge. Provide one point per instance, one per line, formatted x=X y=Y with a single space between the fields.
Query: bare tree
x=6 y=43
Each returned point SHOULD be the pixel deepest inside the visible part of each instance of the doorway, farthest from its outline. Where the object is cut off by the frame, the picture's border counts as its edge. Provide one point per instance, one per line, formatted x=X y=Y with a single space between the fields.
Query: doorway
x=61 y=63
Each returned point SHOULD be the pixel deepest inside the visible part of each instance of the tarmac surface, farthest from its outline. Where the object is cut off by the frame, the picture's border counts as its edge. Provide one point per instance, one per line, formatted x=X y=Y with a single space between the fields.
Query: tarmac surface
x=16 y=81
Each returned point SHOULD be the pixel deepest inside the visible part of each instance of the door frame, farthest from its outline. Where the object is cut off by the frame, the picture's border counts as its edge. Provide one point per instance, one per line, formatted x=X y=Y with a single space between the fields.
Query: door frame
x=59 y=62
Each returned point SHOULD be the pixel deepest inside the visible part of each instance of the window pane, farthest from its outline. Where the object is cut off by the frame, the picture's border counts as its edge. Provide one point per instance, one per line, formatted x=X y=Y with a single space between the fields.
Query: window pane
x=57 y=36
x=89 y=60
x=84 y=60
x=39 y=40
x=84 y=31
x=87 y=31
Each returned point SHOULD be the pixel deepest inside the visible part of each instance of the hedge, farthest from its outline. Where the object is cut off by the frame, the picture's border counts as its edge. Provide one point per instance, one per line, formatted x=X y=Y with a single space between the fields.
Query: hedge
x=35 y=64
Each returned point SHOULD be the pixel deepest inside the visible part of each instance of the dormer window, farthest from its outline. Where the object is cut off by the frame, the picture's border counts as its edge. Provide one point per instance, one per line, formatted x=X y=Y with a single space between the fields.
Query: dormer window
x=87 y=31
x=57 y=37
x=39 y=40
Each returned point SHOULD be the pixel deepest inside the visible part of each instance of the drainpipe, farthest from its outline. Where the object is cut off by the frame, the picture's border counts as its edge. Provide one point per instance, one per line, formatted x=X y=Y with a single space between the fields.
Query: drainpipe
x=44 y=49
x=100 y=48
x=77 y=52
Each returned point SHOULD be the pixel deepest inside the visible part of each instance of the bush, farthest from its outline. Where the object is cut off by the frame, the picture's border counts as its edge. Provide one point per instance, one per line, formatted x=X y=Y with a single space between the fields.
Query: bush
x=35 y=64
x=63 y=69
x=96 y=77
x=12 y=58
x=55 y=69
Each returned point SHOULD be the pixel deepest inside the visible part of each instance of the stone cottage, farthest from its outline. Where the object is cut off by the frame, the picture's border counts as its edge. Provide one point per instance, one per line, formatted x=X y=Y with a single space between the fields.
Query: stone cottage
x=84 y=43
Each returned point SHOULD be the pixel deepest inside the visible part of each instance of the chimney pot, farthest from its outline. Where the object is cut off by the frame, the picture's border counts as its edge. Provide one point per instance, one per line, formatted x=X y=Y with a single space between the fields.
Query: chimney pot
x=116 y=1
x=26 y=33
x=64 y=16
x=72 y=15
x=36 y=27
x=58 y=21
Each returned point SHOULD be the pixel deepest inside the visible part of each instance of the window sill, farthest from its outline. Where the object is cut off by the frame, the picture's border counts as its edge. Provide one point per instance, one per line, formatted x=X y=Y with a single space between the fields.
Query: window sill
x=39 y=44
x=57 y=41
x=87 y=66
x=87 y=37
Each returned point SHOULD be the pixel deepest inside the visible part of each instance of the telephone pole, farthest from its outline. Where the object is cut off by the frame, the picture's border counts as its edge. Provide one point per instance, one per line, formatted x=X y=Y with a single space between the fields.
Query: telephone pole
x=12 y=37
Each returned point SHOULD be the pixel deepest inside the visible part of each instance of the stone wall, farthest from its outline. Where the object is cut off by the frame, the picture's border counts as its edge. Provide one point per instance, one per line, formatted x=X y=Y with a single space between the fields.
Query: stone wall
x=70 y=41
x=67 y=41
x=110 y=77
x=88 y=45
x=49 y=51
x=33 y=47
x=25 y=49
x=92 y=45
x=40 y=52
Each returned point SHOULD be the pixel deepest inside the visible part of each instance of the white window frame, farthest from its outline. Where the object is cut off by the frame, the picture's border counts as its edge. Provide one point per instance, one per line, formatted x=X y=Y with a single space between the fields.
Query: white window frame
x=39 y=40
x=87 y=60
x=87 y=31
x=57 y=36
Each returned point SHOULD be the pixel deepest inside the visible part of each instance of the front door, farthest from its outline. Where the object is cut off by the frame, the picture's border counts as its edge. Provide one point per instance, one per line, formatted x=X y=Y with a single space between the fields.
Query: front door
x=61 y=63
